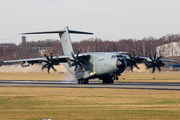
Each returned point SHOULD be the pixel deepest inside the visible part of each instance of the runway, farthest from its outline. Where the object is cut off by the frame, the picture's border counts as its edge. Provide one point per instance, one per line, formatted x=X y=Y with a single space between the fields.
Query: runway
x=93 y=84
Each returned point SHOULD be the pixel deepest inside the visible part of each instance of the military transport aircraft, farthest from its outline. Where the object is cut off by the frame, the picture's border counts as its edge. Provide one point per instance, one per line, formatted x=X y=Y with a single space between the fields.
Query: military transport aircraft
x=106 y=66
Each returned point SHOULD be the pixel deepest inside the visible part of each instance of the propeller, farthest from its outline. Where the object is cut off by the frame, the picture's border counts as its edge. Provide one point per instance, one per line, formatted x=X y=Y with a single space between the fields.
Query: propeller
x=133 y=60
x=75 y=62
x=50 y=62
x=154 y=62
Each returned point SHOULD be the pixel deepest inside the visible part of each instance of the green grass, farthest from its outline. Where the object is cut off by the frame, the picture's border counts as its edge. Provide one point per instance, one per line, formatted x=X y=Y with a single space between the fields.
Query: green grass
x=29 y=103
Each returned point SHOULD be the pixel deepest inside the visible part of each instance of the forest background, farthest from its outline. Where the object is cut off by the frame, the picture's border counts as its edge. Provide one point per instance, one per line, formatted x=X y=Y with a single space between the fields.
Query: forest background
x=30 y=49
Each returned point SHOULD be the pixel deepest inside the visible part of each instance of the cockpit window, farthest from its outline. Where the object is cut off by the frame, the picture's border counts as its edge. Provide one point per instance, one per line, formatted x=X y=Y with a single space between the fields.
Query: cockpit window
x=120 y=56
x=113 y=56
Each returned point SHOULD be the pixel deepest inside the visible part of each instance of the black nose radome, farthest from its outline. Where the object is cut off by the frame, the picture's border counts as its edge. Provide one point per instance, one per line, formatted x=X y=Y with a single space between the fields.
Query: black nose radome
x=120 y=64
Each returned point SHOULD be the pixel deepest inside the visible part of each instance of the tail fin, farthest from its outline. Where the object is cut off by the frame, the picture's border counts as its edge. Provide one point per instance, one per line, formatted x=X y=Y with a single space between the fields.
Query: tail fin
x=66 y=42
x=65 y=38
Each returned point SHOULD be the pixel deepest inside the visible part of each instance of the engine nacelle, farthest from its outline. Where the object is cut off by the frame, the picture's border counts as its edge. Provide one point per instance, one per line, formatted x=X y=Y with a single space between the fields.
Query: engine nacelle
x=25 y=64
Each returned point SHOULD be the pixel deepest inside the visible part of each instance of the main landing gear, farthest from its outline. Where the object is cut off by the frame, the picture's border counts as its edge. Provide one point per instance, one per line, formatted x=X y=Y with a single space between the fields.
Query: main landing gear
x=106 y=80
x=83 y=81
x=110 y=79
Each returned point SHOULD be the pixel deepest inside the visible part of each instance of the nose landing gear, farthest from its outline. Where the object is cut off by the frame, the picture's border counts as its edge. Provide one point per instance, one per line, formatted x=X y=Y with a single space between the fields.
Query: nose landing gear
x=115 y=77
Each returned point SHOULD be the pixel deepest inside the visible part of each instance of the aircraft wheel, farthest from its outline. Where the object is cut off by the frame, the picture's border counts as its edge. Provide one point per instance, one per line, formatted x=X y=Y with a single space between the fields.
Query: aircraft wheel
x=82 y=81
x=108 y=80
x=104 y=81
x=112 y=82
x=86 y=81
x=116 y=77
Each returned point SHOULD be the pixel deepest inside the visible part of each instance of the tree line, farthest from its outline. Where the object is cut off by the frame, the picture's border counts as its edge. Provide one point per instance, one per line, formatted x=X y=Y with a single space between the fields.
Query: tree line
x=31 y=49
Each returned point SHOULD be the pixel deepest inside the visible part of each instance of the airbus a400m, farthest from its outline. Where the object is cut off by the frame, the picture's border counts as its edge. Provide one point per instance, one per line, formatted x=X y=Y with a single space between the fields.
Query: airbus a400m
x=106 y=66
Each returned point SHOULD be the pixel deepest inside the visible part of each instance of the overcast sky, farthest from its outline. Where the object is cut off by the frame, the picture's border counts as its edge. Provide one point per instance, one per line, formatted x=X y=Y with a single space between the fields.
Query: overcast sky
x=107 y=19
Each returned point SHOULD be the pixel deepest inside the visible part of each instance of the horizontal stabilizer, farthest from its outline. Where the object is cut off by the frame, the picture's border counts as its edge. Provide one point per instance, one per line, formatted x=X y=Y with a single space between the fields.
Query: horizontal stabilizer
x=79 y=32
x=47 y=32
x=61 y=31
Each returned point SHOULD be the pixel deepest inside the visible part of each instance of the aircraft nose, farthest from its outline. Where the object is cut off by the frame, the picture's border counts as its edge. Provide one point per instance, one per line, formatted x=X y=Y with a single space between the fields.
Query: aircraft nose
x=120 y=64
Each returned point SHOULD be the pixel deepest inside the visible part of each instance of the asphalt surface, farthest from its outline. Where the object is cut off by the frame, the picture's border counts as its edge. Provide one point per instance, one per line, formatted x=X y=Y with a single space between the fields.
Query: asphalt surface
x=93 y=84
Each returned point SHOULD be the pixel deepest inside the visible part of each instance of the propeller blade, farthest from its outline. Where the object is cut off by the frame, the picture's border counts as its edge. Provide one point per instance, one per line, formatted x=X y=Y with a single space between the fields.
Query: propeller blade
x=46 y=57
x=132 y=68
x=57 y=57
x=159 y=68
x=134 y=54
x=75 y=68
x=73 y=55
x=153 y=69
x=53 y=68
x=130 y=56
x=151 y=58
x=48 y=69
x=74 y=63
x=44 y=66
x=148 y=67
x=136 y=66
x=81 y=68
x=155 y=56
x=140 y=54
x=78 y=54
x=72 y=60
x=159 y=58
x=51 y=55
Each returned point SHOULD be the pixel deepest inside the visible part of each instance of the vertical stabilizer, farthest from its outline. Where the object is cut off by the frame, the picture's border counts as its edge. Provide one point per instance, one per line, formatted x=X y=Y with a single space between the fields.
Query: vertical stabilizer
x=66 y=41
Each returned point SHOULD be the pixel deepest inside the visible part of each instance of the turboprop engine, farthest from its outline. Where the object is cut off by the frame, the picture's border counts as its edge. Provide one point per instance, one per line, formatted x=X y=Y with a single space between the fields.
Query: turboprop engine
x=49 y=62
x=155 y=62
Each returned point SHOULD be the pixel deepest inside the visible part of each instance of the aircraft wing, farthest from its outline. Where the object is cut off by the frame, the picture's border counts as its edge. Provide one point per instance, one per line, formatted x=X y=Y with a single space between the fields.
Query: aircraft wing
x=142 y=59
x=60 y=59
x=38 y=60
x=165 y=60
